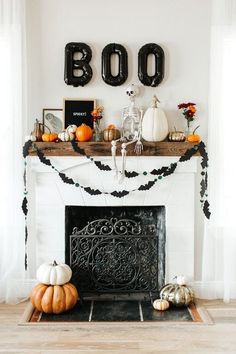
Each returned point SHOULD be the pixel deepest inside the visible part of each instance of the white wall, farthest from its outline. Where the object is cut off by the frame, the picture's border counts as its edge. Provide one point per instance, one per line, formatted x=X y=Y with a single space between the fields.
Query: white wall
x=181 y=27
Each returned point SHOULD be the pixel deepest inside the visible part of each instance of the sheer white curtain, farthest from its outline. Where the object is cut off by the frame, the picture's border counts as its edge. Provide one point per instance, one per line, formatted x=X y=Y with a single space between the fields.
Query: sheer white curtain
x=13 y=126
x=219 y=251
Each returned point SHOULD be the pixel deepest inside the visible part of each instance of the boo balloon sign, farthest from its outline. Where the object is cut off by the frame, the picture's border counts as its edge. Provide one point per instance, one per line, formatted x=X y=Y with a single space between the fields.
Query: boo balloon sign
x=72 y=65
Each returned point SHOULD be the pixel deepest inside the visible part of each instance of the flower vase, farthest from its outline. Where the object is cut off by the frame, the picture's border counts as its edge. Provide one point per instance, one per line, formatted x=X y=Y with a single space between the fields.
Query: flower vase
x=188 y=129
x=97 y=134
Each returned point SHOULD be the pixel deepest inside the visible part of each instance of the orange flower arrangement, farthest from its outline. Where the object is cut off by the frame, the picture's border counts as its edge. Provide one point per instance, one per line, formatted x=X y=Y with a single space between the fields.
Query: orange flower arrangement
x=97 y=113
x=189 y=111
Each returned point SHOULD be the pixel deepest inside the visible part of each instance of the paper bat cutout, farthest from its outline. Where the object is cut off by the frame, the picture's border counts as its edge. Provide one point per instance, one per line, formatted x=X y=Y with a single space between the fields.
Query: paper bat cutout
x=160 y=171
x=92 y=191
x=203 y=188
x=24 y=206
x=26 y=147
x=119 y=194
x=43 y=159
x=146 y=187
x=170 y=170
x=131 y=174
x=188 y=154
x=65 y=178
x=26 y=261
x=77 y=149
x=206 y=210
x=202 y=150
x=101 y=166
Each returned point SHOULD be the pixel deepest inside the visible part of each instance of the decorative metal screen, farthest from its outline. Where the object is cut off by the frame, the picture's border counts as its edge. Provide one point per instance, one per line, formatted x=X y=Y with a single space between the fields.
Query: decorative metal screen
x=118 y=255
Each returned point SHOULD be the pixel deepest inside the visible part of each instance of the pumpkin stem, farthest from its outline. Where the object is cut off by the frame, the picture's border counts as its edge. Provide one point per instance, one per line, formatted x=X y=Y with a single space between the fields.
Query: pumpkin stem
x=175 y=129
x=196 y=129
x=154 y=101
x=54 y=263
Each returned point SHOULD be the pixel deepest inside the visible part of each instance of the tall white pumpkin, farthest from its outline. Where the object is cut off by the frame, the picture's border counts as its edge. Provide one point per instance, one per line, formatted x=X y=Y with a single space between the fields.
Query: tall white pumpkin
x=154 y=123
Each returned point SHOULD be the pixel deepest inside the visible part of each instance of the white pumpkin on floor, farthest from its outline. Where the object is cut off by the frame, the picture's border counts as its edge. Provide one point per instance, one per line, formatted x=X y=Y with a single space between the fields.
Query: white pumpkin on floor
x=160 y=304
x=54 y=274
x=154 y=123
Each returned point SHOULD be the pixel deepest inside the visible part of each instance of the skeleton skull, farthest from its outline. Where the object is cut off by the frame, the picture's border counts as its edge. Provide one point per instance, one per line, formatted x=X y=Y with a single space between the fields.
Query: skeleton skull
x=132 y=90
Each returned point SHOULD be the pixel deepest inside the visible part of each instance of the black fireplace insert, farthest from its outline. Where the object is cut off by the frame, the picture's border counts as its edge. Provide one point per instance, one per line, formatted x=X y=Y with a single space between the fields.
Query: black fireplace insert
x=116 y=251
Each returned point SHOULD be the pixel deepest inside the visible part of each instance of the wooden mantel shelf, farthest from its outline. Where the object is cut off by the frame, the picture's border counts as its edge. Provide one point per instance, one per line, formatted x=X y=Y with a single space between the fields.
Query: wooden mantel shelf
x=92 y=148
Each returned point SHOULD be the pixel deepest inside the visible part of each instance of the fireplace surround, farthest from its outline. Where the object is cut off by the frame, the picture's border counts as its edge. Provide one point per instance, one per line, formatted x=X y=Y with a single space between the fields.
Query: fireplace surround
x=48 y=197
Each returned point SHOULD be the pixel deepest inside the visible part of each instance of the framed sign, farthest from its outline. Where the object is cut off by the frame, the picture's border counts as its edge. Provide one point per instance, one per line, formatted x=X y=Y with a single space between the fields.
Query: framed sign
x=53 y=119
x=78 y=111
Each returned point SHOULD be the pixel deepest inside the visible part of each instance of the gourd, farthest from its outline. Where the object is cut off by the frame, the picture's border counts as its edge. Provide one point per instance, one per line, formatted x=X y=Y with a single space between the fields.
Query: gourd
x=176 y=136
x=53 y=273
x=160 y=304
x=178 y=295
x=194 y=138
x=154 y=123
x=84 y=133
x=49 y=137
x=71 y=128
x=111 y=133
x=66 y=136
x=54 y=298
x=31 y=137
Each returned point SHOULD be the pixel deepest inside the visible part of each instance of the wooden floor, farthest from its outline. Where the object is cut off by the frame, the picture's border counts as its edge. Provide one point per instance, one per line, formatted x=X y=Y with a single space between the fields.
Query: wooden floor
x=127 y=338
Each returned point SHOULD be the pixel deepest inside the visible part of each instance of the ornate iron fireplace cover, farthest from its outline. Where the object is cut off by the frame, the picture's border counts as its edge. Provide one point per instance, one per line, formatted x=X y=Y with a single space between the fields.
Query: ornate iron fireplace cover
x=118 y=255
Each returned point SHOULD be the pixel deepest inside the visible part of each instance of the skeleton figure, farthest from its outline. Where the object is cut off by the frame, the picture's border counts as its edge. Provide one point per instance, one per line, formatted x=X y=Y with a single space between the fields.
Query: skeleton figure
x=130 y=130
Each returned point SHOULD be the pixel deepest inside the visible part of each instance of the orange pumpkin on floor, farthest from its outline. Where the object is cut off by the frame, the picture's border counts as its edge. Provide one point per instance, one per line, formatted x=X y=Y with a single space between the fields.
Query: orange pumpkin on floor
x=83 y=133
x=54 y=298
x=48 y=137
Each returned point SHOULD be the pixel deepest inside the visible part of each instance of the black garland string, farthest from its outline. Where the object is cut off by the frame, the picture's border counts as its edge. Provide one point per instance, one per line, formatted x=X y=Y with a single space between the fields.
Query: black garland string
x=25 y=200
x=158 y=173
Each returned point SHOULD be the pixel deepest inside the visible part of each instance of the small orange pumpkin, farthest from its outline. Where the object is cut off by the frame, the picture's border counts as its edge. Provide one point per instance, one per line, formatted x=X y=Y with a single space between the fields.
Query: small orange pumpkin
x=54 y=298
x=48 y=137
x=194 y=138
x=83 y=133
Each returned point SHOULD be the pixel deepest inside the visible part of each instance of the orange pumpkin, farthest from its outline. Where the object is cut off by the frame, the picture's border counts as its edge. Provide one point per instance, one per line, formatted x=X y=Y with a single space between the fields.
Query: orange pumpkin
x=54 y=298
x=48 y=137
x=83 y=133
x=194 y=138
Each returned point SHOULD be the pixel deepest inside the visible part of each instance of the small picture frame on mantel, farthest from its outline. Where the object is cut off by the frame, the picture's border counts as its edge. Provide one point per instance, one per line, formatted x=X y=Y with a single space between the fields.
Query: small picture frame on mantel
x=78 y=111
x=53 y=119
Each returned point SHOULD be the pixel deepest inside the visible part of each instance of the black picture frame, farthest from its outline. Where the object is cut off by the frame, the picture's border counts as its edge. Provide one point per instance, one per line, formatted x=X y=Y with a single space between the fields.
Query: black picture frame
x=78 y=111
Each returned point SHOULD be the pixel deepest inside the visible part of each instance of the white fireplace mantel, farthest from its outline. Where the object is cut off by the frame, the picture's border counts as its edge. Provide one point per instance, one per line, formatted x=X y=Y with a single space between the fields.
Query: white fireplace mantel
x=49 y=196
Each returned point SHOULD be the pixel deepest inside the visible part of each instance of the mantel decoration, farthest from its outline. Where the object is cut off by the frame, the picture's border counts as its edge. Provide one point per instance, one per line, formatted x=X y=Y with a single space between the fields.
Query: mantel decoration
x=178 y=293
x=156 y=175
x=188 y=110
x=97 y=116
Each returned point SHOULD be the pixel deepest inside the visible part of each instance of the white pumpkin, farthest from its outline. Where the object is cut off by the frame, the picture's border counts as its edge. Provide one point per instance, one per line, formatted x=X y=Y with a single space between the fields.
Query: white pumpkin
x=54 y=274
x=66 y=136
x=30 y=137
x=154 y=123
x=71 y=128
x=180 y=279
x=160 y=304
